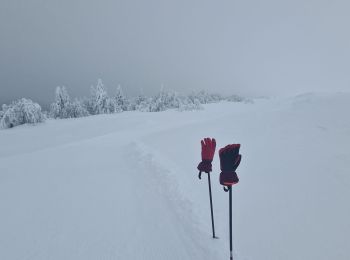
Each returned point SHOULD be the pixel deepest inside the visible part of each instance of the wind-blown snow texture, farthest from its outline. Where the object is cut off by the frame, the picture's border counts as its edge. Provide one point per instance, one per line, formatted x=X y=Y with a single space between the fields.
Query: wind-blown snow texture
x=125 y=186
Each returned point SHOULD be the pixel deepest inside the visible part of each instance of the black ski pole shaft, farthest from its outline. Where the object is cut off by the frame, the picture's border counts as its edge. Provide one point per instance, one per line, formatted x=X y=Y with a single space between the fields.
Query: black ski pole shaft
x=211 y=206
x=230 y=206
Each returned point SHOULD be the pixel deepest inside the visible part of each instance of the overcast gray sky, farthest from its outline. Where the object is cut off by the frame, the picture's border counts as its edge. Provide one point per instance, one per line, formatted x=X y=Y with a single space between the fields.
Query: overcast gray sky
x=249 y=47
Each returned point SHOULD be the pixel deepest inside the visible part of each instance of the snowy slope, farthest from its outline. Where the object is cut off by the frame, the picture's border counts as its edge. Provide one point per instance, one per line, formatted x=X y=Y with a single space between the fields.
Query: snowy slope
x=125 y=186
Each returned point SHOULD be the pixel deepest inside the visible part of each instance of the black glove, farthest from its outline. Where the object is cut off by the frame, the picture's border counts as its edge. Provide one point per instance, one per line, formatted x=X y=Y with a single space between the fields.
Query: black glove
x=229 y=161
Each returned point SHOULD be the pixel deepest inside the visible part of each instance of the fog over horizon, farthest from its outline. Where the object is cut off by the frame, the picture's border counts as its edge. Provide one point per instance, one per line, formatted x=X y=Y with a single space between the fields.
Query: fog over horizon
x=250 y=48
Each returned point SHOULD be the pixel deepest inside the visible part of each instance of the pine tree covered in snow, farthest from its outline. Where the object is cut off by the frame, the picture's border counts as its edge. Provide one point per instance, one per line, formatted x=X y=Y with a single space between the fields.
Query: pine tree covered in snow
x=100 y=103
x=236 y=98
x=204 y=97
x=158 y=102
x=20 y=112
x=171 y=99
x=2 y=113
x=112 y=106
x=62 y=105
x=164 y=100
x=167 y=100
x=120 y=99
x=140 y=103
x=77 y=109
x=187 y=104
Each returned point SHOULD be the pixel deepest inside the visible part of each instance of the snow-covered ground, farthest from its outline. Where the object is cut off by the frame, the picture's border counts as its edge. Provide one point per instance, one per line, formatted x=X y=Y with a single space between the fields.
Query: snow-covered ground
x=125 y=186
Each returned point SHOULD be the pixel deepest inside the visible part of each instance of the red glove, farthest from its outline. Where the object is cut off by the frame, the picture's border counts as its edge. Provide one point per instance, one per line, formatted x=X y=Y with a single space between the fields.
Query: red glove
x=208 y=151
x=229 y=161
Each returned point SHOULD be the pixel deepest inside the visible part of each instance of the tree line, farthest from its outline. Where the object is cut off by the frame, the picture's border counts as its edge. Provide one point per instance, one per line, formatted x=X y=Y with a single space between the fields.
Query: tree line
x=25 y=111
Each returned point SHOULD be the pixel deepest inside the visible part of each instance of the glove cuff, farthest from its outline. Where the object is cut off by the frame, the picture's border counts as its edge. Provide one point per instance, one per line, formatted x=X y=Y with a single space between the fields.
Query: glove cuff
x=205 y=166
x=228 y=178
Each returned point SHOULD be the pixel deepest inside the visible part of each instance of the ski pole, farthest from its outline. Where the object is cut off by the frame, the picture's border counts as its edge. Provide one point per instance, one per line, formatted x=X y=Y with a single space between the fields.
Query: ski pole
x=211 y=203
x=211 y=206
x=229 y=189
x=230 y=206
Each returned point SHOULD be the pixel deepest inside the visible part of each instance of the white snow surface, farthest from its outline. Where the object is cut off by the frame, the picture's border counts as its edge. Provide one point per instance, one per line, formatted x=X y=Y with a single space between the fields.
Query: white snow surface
x=125 y=186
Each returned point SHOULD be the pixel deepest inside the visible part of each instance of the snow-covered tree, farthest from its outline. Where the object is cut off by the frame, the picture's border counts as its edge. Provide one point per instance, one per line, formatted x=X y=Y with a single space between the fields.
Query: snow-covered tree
x=204 y=97
x=171 y=99
x=145 y=105
x=137 y=103
x=112 y=106
x=2 y=111
x=20 y=112
x=187 y=104
x=61 y=108
x=86 y=102
x=158 y=102
x=120 y=99
x=236 y=98
x=77 y=109
x=164 y=100
x=100 y=103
